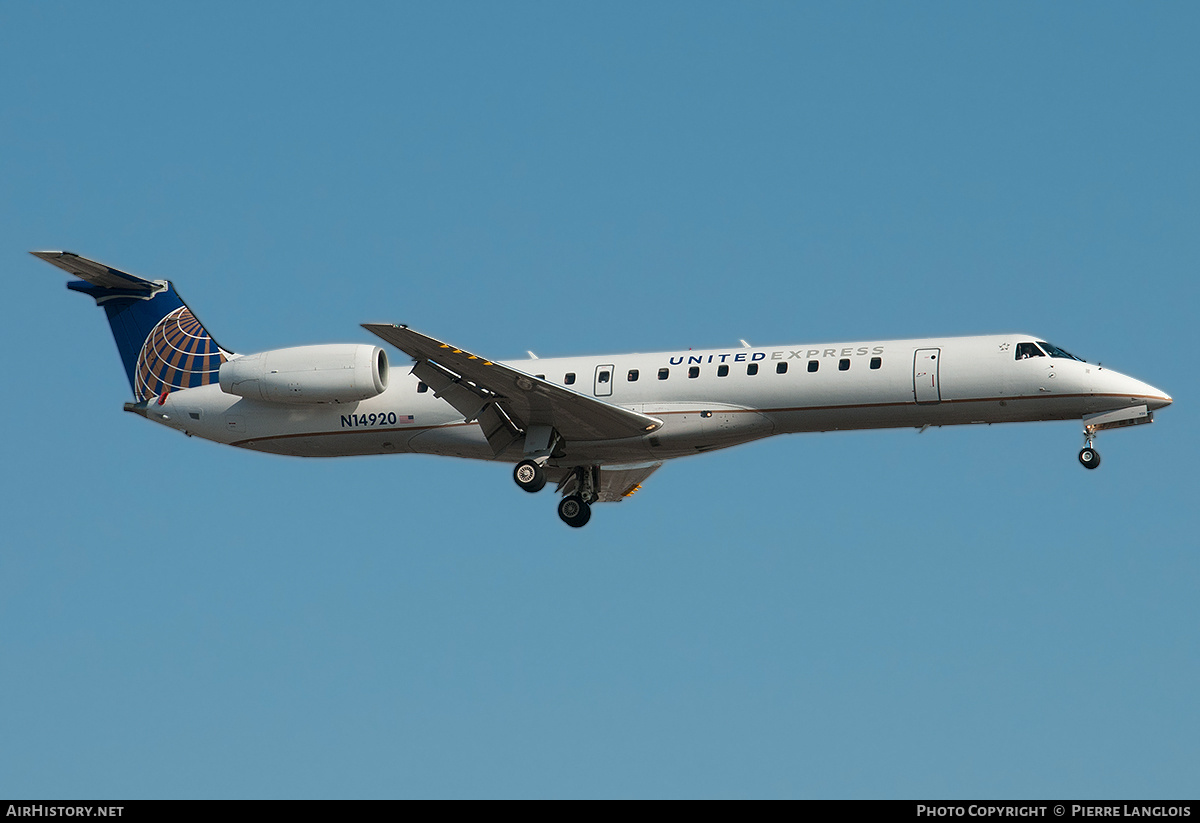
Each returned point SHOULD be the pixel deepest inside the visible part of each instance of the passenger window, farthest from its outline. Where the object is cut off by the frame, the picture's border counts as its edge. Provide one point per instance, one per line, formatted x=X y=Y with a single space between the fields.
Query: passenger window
x=813 y=365
x=781 y=368
x=876 y=362
x=570 y=378
x=603 y=378
x=422 y=388
x=722 y=371
x=752 y=369
x=844 y=364
x=694 y=371
x=1028 y=350
x=663 y=374
x=633 y=376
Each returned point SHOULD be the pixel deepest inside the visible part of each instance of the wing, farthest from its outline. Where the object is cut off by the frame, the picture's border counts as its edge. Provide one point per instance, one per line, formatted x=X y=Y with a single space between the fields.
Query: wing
x=97 y=274
x=507 y=402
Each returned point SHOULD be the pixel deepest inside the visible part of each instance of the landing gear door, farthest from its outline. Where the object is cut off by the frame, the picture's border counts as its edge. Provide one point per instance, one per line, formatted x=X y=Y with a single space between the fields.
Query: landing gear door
x=925 y=376
x=604 y=381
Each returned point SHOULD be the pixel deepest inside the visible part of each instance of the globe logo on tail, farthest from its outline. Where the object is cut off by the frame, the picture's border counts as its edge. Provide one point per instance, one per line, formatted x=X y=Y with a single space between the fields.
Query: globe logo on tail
x=178 y=354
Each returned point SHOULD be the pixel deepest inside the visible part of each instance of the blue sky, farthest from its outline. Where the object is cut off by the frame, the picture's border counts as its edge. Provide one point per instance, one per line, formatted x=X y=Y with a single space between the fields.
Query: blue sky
x=963 y=613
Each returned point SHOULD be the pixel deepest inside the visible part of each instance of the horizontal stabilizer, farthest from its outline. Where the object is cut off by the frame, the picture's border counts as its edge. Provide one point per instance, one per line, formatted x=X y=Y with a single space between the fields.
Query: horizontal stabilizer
x=162 y=345
x=96 y=273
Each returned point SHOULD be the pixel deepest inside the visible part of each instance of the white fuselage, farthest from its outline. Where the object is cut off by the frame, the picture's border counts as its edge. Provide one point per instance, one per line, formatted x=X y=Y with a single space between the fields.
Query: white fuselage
x=703 y=406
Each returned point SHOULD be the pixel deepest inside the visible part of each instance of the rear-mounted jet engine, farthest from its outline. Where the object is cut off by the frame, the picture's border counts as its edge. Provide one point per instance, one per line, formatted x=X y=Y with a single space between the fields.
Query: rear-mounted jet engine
x=342 y=373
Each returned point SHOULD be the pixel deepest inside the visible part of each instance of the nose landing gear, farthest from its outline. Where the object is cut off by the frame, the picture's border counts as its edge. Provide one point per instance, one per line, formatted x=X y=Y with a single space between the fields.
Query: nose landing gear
x=1089 y=458
x=1116 y=419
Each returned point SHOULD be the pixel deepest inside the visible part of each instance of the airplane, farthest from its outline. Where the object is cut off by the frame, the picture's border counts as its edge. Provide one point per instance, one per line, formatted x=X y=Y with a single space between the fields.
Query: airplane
x=597 y=426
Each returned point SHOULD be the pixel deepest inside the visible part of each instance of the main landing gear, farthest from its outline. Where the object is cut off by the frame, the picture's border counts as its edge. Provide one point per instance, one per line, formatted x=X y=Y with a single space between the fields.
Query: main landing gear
x=1088 y=456
x=575 y=508
x=529 y=476
x=573 y=511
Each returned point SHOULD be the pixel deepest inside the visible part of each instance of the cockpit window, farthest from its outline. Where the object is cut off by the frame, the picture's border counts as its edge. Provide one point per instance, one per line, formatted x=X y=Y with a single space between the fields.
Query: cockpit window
x=1055 y=351
x=1028 y=350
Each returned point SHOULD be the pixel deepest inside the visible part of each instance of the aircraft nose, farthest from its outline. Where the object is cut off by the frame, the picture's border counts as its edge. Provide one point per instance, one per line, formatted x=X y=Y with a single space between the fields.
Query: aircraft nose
x=1155 y=398
x=1123 y=389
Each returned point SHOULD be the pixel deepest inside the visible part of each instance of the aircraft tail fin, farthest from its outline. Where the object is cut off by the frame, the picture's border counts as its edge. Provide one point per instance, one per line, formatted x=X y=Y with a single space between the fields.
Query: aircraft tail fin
x=162 y=344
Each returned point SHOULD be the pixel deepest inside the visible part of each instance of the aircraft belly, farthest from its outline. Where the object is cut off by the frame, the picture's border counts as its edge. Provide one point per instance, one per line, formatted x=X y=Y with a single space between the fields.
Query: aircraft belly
x=454 y=440
x=627 y=450
x=309 y=430
x=856 y=417
x=331 y=444
x=692 y=430
x=946 y=413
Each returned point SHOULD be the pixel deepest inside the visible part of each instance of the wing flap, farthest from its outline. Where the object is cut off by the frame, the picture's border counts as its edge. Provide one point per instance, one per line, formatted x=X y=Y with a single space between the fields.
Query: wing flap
x=619 y=482
x=466 y=398
x=472 y=381
x=616 y=483
x=499 y=429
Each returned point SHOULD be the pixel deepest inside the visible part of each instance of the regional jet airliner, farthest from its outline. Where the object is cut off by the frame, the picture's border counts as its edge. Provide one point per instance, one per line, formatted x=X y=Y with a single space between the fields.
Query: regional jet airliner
x=596 y=427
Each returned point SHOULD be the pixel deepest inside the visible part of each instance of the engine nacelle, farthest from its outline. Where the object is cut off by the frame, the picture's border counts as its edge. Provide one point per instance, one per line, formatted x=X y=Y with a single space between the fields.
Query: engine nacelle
x=339 y=373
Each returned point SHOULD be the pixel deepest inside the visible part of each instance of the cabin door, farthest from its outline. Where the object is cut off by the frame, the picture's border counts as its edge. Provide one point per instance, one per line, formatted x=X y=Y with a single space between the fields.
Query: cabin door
x=925 y=376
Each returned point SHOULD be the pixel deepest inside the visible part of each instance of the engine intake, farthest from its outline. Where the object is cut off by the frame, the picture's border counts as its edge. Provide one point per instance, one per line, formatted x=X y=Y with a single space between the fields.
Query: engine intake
x=339 y=373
